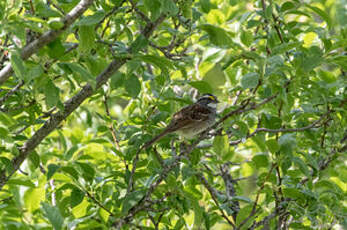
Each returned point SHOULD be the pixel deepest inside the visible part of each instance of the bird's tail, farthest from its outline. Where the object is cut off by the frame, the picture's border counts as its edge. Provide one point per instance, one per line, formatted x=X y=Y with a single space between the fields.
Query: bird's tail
x=157 y=138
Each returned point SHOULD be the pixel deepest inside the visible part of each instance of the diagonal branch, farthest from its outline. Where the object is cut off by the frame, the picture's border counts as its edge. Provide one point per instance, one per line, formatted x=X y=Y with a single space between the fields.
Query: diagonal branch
x=69 y=106
x=213 y=192
x=47 y=37
x=314 y=124
x=11 y=92
x=254 y=208
x=245 y=107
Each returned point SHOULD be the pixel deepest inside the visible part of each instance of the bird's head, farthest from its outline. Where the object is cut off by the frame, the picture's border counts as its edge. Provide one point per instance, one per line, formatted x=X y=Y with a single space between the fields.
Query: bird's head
x=209 y=100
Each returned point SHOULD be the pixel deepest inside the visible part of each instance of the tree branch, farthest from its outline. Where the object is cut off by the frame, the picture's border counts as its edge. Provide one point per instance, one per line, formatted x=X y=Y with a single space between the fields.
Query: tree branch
x=11 y=92
x=214 y=195
x=254 y=210
x=230 y=190
x=281 y=130
x=47 y=37
x=69 y=106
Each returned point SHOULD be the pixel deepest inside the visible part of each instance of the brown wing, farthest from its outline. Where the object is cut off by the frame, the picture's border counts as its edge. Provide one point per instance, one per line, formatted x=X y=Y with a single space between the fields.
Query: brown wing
x=188 y=116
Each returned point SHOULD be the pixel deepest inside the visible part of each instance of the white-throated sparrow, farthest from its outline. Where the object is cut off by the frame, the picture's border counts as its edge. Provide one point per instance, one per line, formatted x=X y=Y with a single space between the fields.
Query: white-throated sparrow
x=191 y=120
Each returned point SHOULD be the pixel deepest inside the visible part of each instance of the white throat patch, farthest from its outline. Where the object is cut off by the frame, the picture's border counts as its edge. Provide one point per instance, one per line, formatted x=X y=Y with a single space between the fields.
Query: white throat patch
x=212 y=105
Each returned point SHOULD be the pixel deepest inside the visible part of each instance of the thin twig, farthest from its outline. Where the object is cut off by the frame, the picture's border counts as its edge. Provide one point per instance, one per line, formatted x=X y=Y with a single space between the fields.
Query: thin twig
x=214 y=195
x=114 y=9
x=254 y=210
x=98 y=202
x=11 y=92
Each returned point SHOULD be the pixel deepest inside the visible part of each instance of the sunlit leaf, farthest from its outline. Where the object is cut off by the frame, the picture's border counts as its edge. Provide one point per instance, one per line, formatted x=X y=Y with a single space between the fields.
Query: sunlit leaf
x=218 y=36
x=53 y=215
x=91 y=19
x=202 y=86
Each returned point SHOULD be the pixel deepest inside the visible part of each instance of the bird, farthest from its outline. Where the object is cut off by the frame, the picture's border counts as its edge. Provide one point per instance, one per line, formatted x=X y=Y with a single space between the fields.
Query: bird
x=187 y=122
x=190 y=120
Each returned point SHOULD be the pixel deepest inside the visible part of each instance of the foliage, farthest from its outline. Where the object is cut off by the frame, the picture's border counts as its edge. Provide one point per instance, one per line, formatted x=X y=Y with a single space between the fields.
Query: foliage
x=82 y=89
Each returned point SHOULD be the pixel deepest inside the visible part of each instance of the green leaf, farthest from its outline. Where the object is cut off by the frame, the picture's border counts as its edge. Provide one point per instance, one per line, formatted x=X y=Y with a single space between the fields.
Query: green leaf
x=35 y=72
x=326 y=76
x=33 y=198
x=321 y=13
x=268 y=11
x=246 y=38
x=91 y=19
x=55 y=23
x=88 y=171
x=169 y=7
x=287 y=143
x=271 y=122
x=259 y=139
x=6 y=120
x=71 y=171
x=18 y=66
x=76 y=197
x=287 y=6
x=117 y=80
x=132 y=85
x=131 y=200
x=253 y=23
x=87 y=38
x=52 y=168
x=216 y=78
x=309 y=38
x=205 y=6
x=161 y=62
x=52 y=213
x=186 y=9
x=22 y=182
x=139 y=43
x=242 y=198
x=44 y=10
x=7 y=164
x=202 y=86
x=4 y=131
x=282 y=48
x=302 y=166
x=218 y=36
x=85 y=74
x=55 y=49
x=179 y=224
x=221 y=145
x=340 y=60
x=154 y=7
x=70 y=152
x=198 y=213
x=243 y=214
x=250 y=80
x=51 y=94
x=260 y=160
x=293 y=193
x=34 y=159
x=272 y=145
